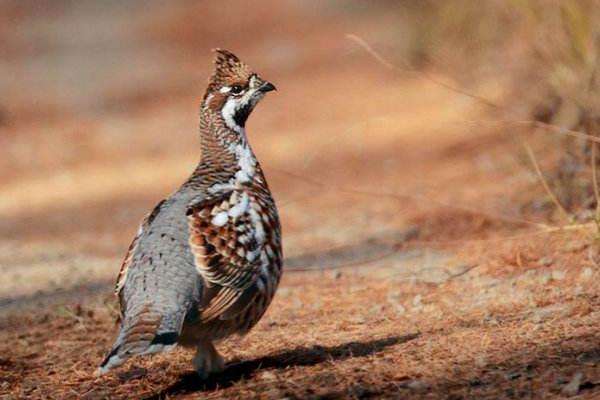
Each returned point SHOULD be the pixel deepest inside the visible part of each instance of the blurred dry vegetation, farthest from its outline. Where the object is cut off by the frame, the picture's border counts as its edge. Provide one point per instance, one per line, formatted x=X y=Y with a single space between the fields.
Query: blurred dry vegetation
x=432 y=161
x=544 y=55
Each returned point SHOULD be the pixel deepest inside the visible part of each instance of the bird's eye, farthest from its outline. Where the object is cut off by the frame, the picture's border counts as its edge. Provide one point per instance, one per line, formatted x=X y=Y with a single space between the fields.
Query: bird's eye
x=236 y=89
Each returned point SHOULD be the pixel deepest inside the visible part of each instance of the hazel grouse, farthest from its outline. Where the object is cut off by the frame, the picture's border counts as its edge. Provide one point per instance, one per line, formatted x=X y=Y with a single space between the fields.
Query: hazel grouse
x=206 y=261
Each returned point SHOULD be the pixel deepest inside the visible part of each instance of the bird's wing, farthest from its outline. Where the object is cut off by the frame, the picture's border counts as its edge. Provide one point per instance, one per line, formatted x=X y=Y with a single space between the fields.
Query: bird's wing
x=127 y=260
x=157 y=286
x=227 y=238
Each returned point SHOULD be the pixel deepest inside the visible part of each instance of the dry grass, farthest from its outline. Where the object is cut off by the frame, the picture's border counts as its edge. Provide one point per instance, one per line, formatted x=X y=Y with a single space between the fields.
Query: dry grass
x=500 y=53
x=515 y=324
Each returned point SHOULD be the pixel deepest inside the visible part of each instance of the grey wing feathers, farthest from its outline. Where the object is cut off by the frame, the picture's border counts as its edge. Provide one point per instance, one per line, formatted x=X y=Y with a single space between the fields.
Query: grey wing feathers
x=143 y=333
x=157 y=286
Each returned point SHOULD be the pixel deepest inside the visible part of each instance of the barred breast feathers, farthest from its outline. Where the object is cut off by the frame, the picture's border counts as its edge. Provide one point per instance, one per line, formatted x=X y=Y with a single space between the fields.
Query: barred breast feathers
x=232 y=236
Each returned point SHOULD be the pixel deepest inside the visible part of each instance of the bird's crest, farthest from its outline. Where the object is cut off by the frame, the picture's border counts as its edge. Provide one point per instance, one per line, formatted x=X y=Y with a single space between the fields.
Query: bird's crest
x=229 y=70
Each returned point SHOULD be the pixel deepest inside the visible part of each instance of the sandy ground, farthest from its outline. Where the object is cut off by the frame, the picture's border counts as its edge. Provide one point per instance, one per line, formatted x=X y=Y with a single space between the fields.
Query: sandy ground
x=414 y=270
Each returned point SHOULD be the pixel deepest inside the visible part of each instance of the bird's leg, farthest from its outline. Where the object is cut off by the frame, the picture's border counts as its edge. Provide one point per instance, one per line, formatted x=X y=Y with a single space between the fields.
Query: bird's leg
x=207 y=360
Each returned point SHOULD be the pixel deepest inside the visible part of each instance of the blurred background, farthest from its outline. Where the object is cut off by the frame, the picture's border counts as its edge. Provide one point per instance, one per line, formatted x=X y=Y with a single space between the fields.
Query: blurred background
x=409 y=143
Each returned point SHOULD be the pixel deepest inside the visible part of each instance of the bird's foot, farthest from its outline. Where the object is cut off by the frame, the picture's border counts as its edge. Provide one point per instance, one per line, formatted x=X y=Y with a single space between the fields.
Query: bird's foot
x=207 y=360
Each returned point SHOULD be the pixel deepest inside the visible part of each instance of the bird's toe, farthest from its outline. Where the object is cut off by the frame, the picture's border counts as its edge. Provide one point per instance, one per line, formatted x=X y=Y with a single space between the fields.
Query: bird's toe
x=208 y=361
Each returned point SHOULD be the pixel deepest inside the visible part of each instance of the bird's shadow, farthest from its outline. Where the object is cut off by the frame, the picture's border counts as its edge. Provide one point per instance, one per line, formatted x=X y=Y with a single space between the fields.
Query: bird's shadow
x=300 y=356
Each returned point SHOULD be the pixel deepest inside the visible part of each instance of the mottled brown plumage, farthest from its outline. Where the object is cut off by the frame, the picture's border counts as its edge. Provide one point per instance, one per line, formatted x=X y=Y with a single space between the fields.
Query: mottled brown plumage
x=206 y=262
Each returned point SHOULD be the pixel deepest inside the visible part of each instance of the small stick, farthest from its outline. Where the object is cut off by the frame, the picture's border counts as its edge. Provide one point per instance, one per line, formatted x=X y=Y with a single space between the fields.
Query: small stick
x=545 y=183
x=379 y=58
x=595 y=185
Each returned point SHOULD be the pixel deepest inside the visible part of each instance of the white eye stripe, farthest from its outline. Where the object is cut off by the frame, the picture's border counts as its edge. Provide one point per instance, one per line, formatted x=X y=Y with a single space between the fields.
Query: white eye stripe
x=225 y=89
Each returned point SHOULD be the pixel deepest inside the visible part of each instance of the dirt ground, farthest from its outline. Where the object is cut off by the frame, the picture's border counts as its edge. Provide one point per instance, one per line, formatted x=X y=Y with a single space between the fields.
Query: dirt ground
x=413 y=267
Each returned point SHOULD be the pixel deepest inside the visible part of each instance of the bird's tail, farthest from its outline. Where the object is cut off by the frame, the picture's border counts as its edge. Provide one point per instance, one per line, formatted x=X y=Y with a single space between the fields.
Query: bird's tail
x=143 y=332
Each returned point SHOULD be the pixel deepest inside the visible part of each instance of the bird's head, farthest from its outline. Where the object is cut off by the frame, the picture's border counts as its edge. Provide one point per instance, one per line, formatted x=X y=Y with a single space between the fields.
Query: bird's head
x=234 y=90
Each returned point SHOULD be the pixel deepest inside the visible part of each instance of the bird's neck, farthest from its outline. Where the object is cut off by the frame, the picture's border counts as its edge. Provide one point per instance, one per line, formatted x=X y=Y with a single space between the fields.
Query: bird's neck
x=226 y=156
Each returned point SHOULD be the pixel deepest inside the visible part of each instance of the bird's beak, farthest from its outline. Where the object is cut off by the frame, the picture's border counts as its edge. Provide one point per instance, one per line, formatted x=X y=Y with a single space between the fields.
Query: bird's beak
x=267 y=87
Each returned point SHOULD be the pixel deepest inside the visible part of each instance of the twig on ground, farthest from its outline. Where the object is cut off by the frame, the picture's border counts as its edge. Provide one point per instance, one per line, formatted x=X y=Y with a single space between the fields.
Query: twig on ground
x=416 y=198
x=553 y=197
x=449 y=274
x=467 y=269
x=595 y=186
x=591 y=257
x=351 y=264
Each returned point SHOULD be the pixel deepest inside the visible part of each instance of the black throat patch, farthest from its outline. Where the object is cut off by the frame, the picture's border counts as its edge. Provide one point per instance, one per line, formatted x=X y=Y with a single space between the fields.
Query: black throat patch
x=242 y=113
